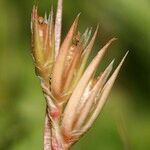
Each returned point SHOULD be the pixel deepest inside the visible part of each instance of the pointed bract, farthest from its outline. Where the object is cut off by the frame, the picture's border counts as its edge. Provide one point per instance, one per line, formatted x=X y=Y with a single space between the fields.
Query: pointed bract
x=92 y=98
x=71 y=107
x=42 y=50
x=84 y=58
x=103 y=97
x=60 y=61
x=84 y=112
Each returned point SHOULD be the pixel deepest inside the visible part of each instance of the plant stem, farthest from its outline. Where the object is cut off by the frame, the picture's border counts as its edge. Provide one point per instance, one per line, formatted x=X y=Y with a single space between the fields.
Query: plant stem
x=53 y=139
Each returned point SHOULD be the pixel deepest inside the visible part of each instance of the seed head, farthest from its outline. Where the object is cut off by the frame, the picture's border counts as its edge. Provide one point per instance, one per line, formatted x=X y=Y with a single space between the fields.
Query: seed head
x=74 y=95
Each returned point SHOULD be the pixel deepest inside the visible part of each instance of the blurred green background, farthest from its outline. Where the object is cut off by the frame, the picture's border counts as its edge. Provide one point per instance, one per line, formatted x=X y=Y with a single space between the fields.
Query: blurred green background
x=124 y=123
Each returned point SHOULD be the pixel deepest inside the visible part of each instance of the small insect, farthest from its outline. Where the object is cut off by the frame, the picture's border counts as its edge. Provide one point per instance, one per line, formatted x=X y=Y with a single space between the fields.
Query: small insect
x=76 y=39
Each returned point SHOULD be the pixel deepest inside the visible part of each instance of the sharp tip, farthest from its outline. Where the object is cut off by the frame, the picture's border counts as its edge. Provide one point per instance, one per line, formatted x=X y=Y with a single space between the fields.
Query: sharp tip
x=105 y=47
x=97 y=28
x=110 y=66
x=113 y=39
x=87 y=29
x=78 y=16
x=112 y=79
x=126 y=54
x=90 y=30
x=112 y=62
x=98 y=25
x=109 y=43
x=96 y=31
x=107 y=72
x=119 y=66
